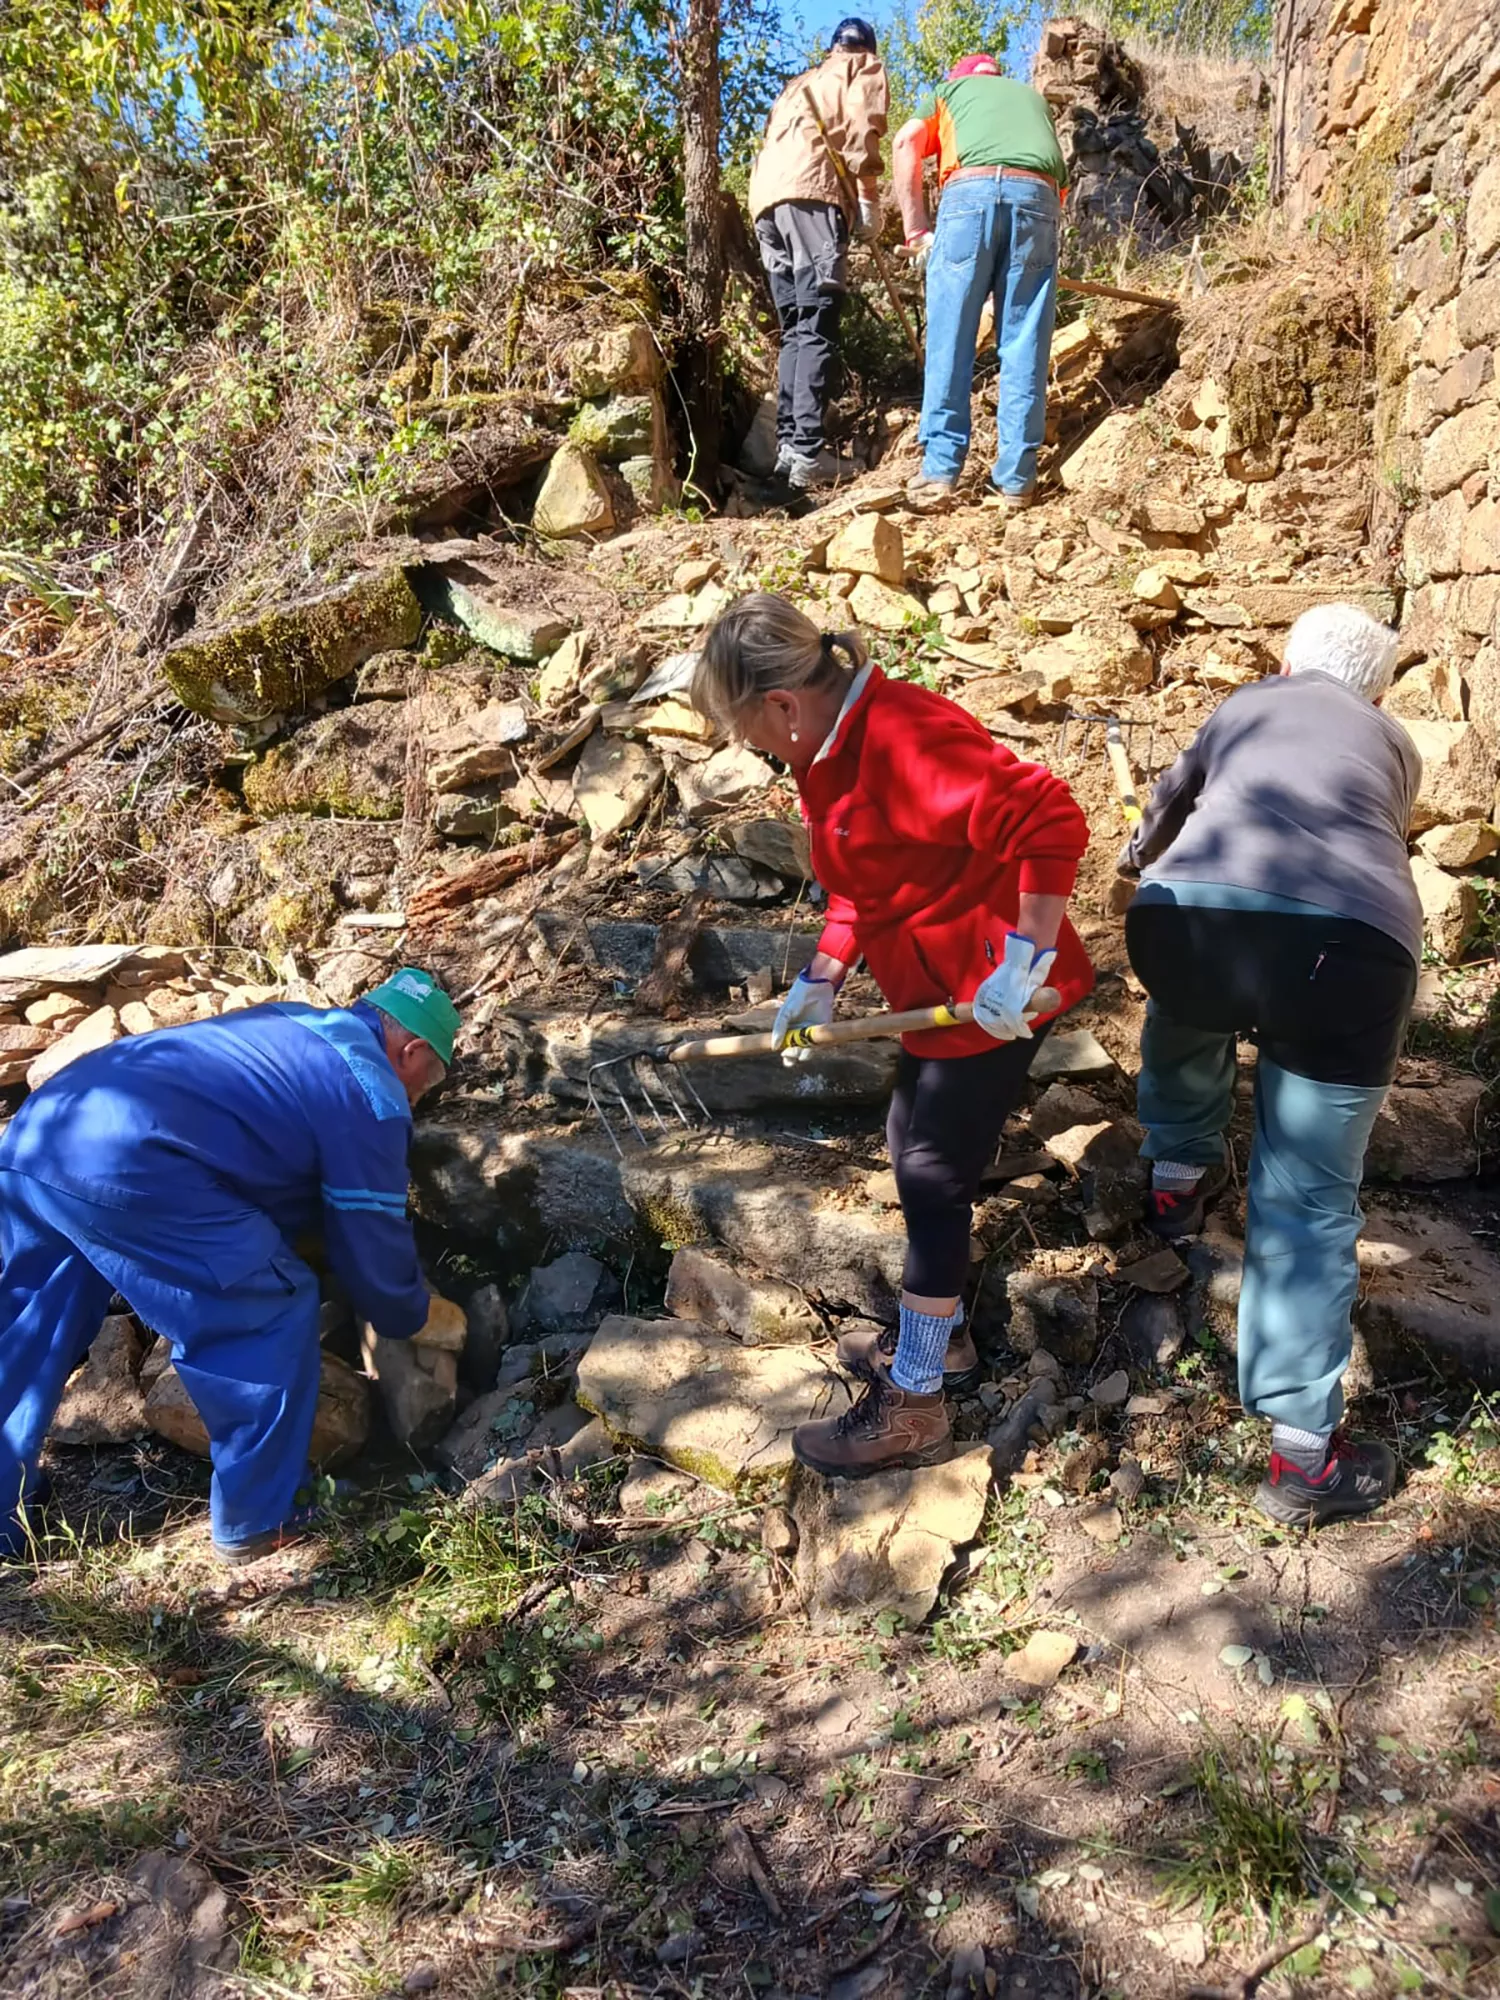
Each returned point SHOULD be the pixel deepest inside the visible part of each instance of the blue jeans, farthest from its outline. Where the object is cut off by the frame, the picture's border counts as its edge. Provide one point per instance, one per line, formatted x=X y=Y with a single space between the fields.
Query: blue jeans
x=993 y=239
x=1302 y=1212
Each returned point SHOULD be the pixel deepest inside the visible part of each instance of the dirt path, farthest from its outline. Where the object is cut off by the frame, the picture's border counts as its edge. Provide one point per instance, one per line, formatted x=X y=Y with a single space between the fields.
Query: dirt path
x=660 y=1780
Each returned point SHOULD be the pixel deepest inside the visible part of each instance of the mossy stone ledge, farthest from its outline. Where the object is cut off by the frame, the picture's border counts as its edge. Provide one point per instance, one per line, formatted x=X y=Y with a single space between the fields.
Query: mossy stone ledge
x=275 y=661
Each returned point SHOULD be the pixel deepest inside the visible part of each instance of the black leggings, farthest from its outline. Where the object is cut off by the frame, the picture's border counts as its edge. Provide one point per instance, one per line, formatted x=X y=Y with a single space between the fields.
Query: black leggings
x=945 y=1121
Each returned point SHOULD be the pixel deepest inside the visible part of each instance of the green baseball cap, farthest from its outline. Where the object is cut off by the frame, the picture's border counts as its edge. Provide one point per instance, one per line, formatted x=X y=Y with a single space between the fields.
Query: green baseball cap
x=415 y=999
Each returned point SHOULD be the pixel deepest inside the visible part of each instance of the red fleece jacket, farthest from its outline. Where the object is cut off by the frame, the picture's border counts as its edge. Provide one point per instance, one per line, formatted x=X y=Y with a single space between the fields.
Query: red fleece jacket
x=925 y=833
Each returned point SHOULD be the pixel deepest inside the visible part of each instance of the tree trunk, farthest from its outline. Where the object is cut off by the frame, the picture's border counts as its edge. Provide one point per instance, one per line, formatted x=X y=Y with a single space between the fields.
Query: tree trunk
x=704 y=291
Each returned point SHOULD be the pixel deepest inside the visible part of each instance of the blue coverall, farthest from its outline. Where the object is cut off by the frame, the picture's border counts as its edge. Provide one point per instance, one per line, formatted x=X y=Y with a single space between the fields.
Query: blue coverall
x=175 y=1168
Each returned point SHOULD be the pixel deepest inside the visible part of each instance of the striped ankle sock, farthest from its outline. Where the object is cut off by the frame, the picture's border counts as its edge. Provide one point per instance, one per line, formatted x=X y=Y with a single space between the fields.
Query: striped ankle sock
x=918 y=1366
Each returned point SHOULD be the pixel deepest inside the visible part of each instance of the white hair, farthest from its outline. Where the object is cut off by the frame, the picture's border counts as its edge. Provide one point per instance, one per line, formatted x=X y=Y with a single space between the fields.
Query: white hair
x=1342 y=640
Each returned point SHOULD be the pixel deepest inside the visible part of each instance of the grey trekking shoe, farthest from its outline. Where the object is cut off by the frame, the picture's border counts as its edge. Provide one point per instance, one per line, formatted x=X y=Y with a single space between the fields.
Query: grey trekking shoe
x=1358 y=1478
x=930 y=496
x=1176 y=1213
x=805 y=475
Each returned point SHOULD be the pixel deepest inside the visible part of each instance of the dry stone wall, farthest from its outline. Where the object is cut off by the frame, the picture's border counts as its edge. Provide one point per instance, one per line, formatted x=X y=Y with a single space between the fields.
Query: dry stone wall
x=1387 y=124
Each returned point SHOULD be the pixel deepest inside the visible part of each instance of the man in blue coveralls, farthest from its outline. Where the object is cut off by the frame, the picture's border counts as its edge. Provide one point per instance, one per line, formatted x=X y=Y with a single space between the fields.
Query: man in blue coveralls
x=176 y=1168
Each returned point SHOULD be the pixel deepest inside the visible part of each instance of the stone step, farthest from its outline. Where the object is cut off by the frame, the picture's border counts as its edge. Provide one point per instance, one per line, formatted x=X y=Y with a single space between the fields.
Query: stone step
x=1430 y=1295
x=703 y=1402
x=816 y=1226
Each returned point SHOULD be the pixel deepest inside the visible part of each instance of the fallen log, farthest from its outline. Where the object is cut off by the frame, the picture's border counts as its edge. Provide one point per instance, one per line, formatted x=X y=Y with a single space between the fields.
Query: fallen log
x=660 y=992
x=444 y=894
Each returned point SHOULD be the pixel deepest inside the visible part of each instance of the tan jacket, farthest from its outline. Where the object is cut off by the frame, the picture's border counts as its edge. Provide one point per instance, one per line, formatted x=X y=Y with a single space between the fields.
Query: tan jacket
x=792 y=164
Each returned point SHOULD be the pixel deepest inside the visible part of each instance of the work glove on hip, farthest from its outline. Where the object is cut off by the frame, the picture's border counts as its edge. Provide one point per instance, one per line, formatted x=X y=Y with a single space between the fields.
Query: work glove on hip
x=918 y=250
x=808 y=1004
x=869 y=219
x=1000 y=1005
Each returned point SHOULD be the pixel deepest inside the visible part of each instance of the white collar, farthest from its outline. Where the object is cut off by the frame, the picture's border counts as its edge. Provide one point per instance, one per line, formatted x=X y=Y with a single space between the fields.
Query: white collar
x=856 y=689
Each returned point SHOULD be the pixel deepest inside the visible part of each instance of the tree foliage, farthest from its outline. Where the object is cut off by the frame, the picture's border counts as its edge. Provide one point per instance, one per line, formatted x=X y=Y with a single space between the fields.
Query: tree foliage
x=1214 y=27
x=923 y=41
x=175 y=173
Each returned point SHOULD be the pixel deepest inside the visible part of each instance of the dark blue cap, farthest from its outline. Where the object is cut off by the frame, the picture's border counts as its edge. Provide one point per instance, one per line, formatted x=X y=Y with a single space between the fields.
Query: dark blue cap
x=853 y=33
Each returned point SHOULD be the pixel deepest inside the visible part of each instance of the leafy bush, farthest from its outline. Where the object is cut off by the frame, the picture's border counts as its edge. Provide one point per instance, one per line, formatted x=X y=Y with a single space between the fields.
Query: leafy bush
x=201 y=195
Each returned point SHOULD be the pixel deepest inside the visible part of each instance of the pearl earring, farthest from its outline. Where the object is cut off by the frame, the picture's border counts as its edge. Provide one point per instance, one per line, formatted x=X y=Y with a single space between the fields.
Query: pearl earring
x=794 y=736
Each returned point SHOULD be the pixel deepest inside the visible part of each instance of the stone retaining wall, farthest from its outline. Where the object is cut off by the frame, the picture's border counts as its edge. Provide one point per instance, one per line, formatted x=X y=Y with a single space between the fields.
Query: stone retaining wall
x=1387 y=125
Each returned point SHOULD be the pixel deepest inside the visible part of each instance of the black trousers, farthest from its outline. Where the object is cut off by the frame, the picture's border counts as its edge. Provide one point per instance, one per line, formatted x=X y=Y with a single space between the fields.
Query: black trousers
x=945 y=1120
x=803 y=246
x=1323 y=997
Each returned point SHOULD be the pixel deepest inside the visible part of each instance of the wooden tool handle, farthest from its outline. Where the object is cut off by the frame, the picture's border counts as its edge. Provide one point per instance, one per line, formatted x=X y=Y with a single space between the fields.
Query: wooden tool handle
x=850 y=188
x=1119 y=763
x=1130 y=805
x=861 y=1028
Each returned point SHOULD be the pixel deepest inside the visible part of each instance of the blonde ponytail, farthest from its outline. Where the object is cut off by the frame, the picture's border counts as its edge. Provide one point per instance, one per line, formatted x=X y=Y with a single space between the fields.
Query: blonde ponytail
x=763 y=645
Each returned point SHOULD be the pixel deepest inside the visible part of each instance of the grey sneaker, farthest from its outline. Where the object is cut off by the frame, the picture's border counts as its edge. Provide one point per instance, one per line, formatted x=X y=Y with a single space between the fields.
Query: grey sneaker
x=803 y=474
x=930 y=496
x=1011 y=503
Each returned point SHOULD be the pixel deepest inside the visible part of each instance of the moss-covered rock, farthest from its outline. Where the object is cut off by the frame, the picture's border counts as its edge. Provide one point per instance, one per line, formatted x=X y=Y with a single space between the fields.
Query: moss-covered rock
x=622 y=427
x=621 y=357
x=273 y=662
x=349 y=765
x=464 y=595
x=702 y=1401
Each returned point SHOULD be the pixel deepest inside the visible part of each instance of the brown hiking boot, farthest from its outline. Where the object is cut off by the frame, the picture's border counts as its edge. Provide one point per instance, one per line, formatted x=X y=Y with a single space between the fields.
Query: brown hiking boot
x=886 y=1430
x=865 y=1347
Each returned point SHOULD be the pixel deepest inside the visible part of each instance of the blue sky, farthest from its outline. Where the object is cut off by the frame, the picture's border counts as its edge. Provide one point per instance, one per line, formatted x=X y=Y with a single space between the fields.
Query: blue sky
x=823 y=16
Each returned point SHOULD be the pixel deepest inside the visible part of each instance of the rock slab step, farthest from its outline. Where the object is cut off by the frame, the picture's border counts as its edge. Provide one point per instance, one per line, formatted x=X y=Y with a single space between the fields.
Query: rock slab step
x=465 y=594
x=761 y=1312
x=701 y=1401
x=747 y=1201
x=883 y=1544
x=1430 y=1293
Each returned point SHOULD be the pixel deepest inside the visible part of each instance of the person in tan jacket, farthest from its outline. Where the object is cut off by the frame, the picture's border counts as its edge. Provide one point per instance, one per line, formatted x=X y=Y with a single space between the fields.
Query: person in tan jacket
x=802 y=224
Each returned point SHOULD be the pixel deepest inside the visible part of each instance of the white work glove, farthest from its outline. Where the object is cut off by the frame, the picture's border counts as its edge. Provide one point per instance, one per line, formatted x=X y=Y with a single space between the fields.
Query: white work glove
x=808 y=1004
x=918 y=250
x=869 y=219
x=1000 y=1003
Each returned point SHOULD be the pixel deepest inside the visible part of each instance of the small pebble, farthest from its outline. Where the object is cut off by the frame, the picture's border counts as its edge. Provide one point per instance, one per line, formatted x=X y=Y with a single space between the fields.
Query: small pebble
x=1105 y=1523
x=778 y=1532
x=1113 y=1390
x=422 y=1978
x=1127 y=1481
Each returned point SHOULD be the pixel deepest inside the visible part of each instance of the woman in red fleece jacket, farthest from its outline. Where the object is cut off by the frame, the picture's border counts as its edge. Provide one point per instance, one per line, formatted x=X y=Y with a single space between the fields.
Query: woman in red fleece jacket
x=948 y=864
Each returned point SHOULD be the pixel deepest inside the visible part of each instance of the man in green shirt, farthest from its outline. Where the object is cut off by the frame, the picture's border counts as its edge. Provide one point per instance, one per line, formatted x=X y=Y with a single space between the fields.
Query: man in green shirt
x=1001 y=175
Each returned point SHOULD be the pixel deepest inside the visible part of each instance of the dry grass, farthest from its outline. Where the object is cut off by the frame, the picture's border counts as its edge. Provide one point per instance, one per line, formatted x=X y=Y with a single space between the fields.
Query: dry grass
x=388 y=1761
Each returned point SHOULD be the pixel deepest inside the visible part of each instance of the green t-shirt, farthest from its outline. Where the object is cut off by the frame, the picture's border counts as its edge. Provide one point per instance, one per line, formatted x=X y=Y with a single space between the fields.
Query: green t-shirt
x=989 y=121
